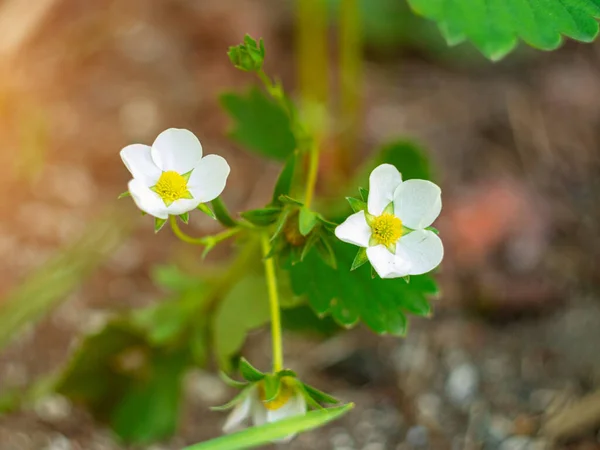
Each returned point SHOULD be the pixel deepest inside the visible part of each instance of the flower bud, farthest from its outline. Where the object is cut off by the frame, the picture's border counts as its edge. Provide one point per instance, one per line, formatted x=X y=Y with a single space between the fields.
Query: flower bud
x=248 y=56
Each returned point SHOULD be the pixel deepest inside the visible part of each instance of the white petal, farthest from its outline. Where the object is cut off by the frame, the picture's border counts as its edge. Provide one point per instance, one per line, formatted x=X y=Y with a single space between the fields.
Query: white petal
x=295 y=406
x=239 y=414
x=182 y=206
x=138 y=161
x=176 y=149
x=208 y=178
x=386 y=264
x=354 y=230
x=382 y=183
x=147 y=200
x=418 y=203
x=422 y=250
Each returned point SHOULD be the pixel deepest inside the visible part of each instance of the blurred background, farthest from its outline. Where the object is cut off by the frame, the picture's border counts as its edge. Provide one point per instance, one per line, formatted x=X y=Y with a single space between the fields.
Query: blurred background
x=508 y=360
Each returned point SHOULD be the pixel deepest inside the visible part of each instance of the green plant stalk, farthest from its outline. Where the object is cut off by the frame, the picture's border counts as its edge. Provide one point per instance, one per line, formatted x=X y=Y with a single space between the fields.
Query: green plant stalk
x=204 y=240
x=313 y=171
x=350 y=74
x=274 y=305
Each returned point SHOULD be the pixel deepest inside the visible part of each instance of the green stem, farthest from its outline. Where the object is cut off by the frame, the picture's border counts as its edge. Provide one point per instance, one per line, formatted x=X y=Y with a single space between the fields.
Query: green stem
x=204 y=240
x=313 y=169
x=274 y=305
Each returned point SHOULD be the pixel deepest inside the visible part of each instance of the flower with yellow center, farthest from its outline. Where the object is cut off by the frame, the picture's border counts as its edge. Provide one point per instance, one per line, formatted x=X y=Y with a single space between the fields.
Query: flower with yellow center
x=289 y=402
x=172 y=177
x=393 y=228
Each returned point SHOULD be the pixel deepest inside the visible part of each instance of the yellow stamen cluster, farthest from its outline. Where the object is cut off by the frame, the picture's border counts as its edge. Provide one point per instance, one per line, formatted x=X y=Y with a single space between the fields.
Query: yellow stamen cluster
x=387 y=229
x=172 y=186
x=285 y=393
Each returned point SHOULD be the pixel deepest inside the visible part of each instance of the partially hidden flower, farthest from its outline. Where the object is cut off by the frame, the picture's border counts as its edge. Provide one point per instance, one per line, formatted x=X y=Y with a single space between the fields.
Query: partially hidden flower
x=393 y=228
x=252 y=406
x=171 y=177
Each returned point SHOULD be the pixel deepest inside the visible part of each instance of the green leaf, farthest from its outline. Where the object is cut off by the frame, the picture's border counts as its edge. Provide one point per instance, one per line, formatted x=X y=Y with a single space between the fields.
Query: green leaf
x=320 y=396
x=495 y=26
x=244 y=308
x=408 y=157
x=185 y=217
x=356 y=204
x=303 y=319
x=353 y=296
x=149 y=411
x=262 y=217
x=206 y=210
x=285 y=179
x=249 y=372
x=265 y=434
x=290 y=201
x=172 y=278
x=306 y=221
x=163 y=323
x=158 y=224
x=272 y=384
x=360 y=258
x=123 y=195
x=260 y=124
x=434 y=230
x=222 y=214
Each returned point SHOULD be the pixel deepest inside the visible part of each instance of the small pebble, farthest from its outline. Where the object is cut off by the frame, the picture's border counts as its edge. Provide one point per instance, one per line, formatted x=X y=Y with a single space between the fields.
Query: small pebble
x=462 y=385
x=417 y=437
x=516 y=443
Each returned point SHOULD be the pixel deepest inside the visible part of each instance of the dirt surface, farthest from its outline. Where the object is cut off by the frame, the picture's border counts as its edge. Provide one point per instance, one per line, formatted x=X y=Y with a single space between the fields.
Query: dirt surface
x=513 y=342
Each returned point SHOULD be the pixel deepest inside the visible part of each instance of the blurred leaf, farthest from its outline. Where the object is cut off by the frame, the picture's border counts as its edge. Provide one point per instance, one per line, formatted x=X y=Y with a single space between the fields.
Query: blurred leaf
x=285 y=180
x=353 y=296
x=52 y=282
x=244 y=308
x=173 y=279
x=262 y=217
x=149 y=410
x=320 y=396
x=260 y=124
x=408 y=157
x=164 y=322
x=356 y=204
x=98 y=375
x=265 y=434
x=495 y=26
x=303 y=319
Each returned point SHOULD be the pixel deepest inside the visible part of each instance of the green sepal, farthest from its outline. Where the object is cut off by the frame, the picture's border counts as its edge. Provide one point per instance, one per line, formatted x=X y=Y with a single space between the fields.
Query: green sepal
x=222 y=214
x=320 y=396
x=187 y=195
x=290 y=201
x=280 y=224
x=309 y=398
x=262 y=217
x=326 y=252
x=158 y=224
x=306 y=221
x=370 y=219
x=285 y=179
x=186 y=176
x=123 y=195
x=272 y=385
x=373 y=273
x=249 y=372
x=434 y=230
x=356 y=204
x=230 y=404
x=185 y=217
x=389 y=209
x=406 y=278
x=287 y=373
x=360 y=258
x=206 y=210
x=373 y=241
x=231 y=382
x=364 y=194
x=310 y=243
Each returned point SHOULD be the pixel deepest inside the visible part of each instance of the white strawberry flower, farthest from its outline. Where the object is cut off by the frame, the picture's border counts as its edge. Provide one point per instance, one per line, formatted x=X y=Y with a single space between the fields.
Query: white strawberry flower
x=393 y=229
x=252 y=406
x=172 y=177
